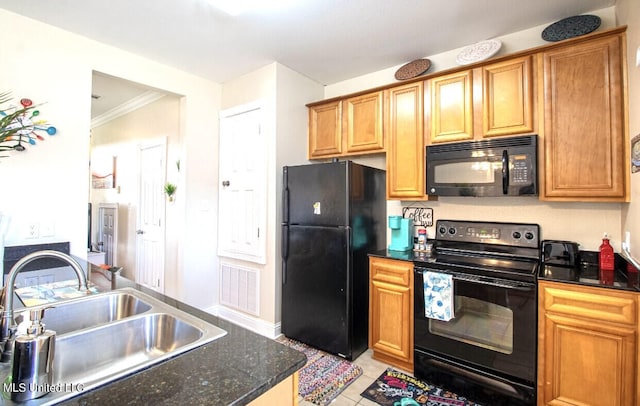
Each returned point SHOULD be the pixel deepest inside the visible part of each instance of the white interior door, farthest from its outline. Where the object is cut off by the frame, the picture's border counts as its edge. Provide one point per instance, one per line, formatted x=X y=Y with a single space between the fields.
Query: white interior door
x=242 y=200
x=108 y=234
x=151 y=208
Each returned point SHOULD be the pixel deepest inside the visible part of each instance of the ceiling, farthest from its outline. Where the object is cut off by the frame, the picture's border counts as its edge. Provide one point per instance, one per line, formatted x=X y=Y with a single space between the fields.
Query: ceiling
x=325 y=40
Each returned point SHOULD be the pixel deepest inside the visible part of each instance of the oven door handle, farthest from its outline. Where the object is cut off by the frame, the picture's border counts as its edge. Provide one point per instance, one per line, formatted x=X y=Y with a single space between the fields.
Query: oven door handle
x=525 y=287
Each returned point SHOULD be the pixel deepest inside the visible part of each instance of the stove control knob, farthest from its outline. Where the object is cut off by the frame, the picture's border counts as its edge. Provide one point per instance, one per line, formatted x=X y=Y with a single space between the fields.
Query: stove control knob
x=516 y=235
x=452 y=230
x=529 y=235
x=442 y=230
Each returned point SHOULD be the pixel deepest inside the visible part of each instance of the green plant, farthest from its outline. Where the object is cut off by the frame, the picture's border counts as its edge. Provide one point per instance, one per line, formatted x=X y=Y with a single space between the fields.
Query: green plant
x=170 y=189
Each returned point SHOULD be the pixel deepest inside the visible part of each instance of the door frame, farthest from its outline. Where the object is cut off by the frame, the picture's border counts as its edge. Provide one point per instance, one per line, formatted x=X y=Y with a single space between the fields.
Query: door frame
x=259 y=253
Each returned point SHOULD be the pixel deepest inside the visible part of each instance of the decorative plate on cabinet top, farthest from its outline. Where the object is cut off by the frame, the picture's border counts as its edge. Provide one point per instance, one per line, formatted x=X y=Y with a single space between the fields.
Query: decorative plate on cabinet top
x=413 y=69
x=571 y=27
x=478 y=52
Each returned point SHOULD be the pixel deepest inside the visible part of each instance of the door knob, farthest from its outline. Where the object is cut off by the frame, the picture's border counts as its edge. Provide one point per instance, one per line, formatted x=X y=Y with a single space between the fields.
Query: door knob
x=226 y=183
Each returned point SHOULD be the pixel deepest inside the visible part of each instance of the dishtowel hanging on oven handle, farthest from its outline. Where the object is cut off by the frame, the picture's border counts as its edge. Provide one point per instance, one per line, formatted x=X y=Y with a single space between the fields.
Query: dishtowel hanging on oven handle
x=438 y=295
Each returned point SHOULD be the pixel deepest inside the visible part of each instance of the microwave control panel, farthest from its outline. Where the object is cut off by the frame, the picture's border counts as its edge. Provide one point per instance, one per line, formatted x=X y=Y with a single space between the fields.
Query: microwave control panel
x=520 y=169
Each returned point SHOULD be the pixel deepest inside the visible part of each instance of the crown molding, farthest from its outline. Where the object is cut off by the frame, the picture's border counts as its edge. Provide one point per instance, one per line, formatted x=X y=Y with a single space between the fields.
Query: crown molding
x=127 y=107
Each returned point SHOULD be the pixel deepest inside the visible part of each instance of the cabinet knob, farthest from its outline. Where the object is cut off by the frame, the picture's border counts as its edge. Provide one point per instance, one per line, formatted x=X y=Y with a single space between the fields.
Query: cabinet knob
x=226 y=183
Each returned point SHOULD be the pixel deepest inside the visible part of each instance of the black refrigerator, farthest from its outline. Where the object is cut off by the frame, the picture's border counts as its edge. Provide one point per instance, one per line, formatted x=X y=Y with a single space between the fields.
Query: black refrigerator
x=334 y=214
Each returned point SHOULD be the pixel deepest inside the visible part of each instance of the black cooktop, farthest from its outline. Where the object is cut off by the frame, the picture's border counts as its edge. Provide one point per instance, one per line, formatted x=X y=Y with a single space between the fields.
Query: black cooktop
x=498 y=250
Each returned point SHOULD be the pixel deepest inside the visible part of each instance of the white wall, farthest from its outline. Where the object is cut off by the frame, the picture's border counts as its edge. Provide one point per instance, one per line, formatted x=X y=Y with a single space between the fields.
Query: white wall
x=51 y=181
x=511 y=43
x=581 y=222
x=283 y=94
x=257 y=86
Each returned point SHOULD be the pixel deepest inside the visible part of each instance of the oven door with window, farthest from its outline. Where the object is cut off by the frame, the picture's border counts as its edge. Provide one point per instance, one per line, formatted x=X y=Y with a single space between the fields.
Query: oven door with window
x=493 y=332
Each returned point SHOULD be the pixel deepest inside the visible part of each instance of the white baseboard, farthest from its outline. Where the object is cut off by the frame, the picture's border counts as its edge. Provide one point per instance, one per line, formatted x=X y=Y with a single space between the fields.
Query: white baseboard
x=254 y=324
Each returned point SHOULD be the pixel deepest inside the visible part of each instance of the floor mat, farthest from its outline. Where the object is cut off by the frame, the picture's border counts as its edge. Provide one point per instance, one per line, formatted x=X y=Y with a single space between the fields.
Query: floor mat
x=395 y=388
x=324 y=376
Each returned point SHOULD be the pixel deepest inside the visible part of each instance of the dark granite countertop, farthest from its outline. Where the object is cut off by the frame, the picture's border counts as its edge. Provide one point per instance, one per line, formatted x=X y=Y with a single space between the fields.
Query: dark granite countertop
x=588 y=273
x=232 y=370
x=401 y=255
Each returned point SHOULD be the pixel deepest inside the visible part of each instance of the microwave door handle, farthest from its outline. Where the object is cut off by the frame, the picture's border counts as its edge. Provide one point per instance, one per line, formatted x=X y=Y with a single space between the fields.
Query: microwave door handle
x=505 y=172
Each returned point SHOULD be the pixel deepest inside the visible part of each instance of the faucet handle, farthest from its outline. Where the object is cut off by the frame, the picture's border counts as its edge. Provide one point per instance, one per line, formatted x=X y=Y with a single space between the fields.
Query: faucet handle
x=36 y=316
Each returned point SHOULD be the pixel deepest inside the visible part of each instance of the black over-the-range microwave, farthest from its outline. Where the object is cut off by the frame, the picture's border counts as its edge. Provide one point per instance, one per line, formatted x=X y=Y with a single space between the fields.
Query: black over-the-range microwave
x=494 y=167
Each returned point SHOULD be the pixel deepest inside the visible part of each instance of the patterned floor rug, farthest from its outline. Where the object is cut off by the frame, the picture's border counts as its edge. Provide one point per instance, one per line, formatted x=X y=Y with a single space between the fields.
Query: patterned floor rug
x=324 y=376
x=395 y=388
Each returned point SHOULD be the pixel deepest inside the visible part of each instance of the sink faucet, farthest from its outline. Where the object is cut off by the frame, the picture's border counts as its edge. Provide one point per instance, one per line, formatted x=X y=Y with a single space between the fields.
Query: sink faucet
x=7 y=323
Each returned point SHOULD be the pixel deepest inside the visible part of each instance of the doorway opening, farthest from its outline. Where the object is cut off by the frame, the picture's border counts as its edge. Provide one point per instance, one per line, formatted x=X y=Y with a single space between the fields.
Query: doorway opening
x=126 y=116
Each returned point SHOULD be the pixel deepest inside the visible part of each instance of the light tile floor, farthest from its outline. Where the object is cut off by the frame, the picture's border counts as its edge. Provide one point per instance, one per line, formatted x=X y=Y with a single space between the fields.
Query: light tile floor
x=371 y=370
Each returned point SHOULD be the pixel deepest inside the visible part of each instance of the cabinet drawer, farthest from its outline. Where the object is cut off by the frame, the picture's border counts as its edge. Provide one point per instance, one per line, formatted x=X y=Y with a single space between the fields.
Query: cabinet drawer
x=591 y=303
x=391 y=271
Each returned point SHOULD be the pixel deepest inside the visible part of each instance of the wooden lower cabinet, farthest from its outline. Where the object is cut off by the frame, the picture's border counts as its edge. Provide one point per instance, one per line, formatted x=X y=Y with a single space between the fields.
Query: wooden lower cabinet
x=391 y=311
x=283 y=394
x=587 y=346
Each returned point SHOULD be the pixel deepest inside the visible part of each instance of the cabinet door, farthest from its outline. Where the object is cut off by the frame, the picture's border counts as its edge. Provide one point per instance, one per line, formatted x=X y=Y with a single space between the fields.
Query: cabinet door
x=405 y=150
x=587 y=346
x=362 y=123
x=451 y=110
x=589 y=363
x=584 y=151
x=391 y=312
x=507 y=97
x=325 y=130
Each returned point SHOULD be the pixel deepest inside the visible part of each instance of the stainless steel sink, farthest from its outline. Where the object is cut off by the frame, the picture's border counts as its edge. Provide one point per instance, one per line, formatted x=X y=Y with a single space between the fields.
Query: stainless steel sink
x=77 y=314
x=136 y=332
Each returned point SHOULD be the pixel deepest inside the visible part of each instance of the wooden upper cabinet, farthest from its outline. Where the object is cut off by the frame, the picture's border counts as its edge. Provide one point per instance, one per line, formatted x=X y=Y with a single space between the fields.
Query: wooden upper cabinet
x=325 y=130
x=585 y=148
x=507 y=97
x=362 y=123
x=406 y=147
x=492 y=100
x=450 y=107
x=352 y=126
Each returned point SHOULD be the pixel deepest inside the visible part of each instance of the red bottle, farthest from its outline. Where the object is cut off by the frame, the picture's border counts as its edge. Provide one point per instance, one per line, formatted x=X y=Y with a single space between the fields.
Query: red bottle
x=606 y=257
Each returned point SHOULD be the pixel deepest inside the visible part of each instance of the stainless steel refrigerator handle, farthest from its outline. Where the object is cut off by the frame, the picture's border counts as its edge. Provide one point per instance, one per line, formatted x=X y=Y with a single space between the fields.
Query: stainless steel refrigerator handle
x=627 y=256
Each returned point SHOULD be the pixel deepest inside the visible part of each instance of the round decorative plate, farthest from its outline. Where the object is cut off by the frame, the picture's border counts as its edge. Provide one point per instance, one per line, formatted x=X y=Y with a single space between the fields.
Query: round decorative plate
x=413 y=69
x=478 y=52
x=571 y=27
